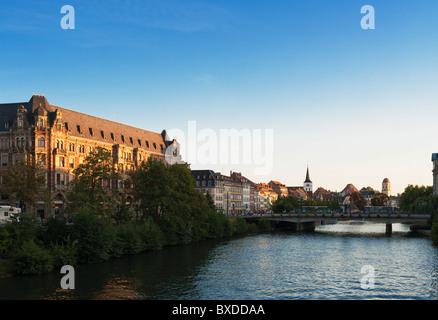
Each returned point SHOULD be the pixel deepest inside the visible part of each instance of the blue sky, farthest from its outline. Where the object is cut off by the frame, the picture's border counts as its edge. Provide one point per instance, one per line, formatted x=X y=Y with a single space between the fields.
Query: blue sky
x=355 y=105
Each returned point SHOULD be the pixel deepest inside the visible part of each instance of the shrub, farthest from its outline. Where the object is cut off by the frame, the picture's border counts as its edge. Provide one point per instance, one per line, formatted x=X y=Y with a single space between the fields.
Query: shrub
x=94 y=237
x=64 y=254
x=239 y=226
x=32 y=259
x=264 y=225
x=127 y=240
x=54 y=230
x=151 y=236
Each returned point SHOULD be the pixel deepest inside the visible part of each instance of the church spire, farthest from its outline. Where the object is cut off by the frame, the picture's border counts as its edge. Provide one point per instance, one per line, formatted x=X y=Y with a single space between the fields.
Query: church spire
x=308 y=176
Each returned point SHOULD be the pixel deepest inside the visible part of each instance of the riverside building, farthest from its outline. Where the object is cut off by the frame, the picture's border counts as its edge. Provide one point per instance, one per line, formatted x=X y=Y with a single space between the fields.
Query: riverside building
x=58 y=139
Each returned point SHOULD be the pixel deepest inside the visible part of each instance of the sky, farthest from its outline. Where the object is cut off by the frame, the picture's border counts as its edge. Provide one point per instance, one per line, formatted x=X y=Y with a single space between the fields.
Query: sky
x=355 y=105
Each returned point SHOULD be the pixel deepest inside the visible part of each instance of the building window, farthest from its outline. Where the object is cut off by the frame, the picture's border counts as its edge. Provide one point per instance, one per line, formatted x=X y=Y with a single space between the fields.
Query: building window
x=112 y=136
x=155 y=146
x=79 y=128
x=123 y=138
x=41 y=142
x=139 y=142
x=61 y=161
x=59 y=179
x=20 y=124
x=59 y=126
x=91 y=132
x=102 y=134
x=147 y=144
x=130 y=139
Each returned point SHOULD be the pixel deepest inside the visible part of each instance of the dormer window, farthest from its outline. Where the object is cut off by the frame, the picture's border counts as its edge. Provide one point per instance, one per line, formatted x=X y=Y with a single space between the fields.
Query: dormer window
x=59 y=126
x=91 y=132
x=155 y=146
x=130 y=139
x=20 y=123
x=102 y=134
x=123 y=138
x=79 y=128
x=112 y=136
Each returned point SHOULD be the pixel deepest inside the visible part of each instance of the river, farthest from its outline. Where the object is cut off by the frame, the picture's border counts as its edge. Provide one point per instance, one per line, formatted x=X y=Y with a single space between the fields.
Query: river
x=325 y=264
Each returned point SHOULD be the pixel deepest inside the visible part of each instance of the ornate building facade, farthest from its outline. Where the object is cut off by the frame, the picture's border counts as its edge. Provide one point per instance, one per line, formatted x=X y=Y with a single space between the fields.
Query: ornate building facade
x=59 y=139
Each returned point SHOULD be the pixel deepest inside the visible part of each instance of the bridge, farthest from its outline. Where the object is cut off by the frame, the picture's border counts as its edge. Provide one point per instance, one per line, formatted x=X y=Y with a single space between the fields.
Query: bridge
x=301 y=222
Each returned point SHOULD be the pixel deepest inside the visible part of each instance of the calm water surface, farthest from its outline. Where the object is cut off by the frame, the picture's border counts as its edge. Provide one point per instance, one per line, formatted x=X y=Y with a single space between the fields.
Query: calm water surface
x=322 y=265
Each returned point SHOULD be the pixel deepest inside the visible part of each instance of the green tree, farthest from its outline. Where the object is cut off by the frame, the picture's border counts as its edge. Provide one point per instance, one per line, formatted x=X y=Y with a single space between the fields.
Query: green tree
x=22 y=183
x=88 y=190
x=380 y=200
x=358 y=200
x=414 y=198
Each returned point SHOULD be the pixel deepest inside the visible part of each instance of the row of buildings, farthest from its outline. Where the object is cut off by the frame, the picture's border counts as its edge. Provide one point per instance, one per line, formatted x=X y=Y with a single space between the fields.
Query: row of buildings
x=235 y=194
x=59 y=139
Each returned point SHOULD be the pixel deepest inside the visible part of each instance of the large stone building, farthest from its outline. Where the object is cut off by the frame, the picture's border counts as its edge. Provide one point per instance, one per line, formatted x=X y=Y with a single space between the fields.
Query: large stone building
x=59 y=139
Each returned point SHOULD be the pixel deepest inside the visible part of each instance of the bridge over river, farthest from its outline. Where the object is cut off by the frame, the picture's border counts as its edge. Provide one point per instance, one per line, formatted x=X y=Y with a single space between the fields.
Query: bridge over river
x=308 y=221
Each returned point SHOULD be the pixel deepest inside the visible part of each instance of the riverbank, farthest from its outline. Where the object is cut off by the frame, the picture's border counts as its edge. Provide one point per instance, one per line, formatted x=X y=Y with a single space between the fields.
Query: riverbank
x=92 y=239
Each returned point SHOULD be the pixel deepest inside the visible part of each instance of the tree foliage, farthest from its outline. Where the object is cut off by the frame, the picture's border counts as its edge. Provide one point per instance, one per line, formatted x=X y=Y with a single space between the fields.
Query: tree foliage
x=87 y=189
x=22 y=183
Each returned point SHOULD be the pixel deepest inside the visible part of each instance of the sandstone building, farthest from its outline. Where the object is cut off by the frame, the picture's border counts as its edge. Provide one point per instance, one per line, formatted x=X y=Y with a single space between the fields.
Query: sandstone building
x=59 y=139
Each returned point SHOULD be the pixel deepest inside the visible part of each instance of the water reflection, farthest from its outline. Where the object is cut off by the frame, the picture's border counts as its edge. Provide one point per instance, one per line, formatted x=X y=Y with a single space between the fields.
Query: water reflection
x=322 y=265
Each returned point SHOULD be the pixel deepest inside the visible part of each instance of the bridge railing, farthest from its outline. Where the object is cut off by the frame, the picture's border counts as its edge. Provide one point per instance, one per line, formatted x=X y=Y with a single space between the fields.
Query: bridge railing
x=348 y=216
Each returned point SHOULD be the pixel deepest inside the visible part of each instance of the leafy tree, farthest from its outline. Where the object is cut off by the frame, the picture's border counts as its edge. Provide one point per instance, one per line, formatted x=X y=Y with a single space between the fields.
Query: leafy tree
x=22 y=183
x=88 y=190
x=153 y=188
x=380 y=200
x=414 y=197
x=358 y=200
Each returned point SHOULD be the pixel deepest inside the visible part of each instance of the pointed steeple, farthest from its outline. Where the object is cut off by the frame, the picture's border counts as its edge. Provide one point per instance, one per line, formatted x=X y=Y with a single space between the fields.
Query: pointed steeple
x=308 y=176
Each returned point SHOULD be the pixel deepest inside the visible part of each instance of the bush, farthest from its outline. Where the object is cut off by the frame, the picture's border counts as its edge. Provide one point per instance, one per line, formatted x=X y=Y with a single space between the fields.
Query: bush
x=6 y=241
x=128 y=240
x=151 y=236
x=64 y=254
x=264 y=225
x=239 y=226
x=32 y=259
x=54 y=230
x=94 y=237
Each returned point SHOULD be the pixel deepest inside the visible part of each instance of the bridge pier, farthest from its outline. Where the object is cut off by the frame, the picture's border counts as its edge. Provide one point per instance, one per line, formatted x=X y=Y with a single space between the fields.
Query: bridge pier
x=388 y=228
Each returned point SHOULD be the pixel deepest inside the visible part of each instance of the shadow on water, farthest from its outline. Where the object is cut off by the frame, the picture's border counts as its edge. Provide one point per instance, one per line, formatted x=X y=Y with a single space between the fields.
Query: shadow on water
x=150 y=275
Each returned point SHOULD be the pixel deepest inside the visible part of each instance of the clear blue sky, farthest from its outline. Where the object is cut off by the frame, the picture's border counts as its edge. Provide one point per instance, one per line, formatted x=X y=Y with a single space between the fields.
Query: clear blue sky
x=356 y=105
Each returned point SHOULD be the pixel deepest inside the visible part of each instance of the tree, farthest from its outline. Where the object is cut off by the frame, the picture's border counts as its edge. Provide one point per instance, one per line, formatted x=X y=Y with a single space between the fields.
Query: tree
x=88 y=188
x=22 y=183
x=358 y=200
x=380 y=200
x=414 y=198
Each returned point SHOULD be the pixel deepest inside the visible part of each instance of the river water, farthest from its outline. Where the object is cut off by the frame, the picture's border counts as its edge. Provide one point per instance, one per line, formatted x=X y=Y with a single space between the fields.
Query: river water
x=325 y=264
